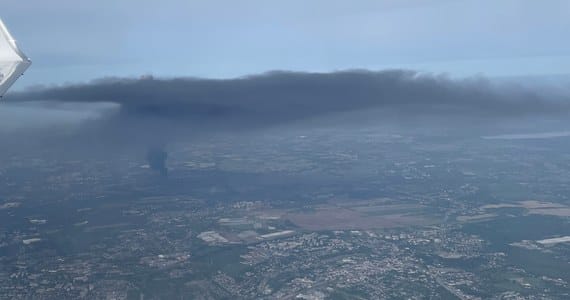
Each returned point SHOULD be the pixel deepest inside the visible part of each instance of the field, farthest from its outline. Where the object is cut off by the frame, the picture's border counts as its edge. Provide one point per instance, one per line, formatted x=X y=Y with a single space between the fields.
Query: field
x=369 y=214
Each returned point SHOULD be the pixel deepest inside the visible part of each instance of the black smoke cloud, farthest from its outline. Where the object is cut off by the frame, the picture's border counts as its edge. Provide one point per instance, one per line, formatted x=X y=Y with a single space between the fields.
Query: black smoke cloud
x=158 y=108
x=156 y=157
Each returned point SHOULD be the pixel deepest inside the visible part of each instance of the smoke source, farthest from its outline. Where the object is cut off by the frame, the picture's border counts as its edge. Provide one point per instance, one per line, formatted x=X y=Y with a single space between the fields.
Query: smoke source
x=156 y=158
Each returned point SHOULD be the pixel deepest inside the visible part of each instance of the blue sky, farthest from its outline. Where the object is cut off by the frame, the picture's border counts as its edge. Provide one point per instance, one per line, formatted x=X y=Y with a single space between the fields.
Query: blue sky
x=75 y=41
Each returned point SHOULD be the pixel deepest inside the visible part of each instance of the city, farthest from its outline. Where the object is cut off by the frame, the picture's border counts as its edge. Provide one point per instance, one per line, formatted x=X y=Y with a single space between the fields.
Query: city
x=293 y=216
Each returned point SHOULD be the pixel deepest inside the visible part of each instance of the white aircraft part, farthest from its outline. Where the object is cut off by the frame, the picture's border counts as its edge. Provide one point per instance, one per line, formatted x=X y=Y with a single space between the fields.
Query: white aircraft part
x=13 y=63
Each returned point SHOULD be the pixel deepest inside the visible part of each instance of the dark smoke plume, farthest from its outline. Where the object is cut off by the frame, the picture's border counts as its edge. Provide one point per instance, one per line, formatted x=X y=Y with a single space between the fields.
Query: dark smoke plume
x=152 y=109
x=156 y=157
